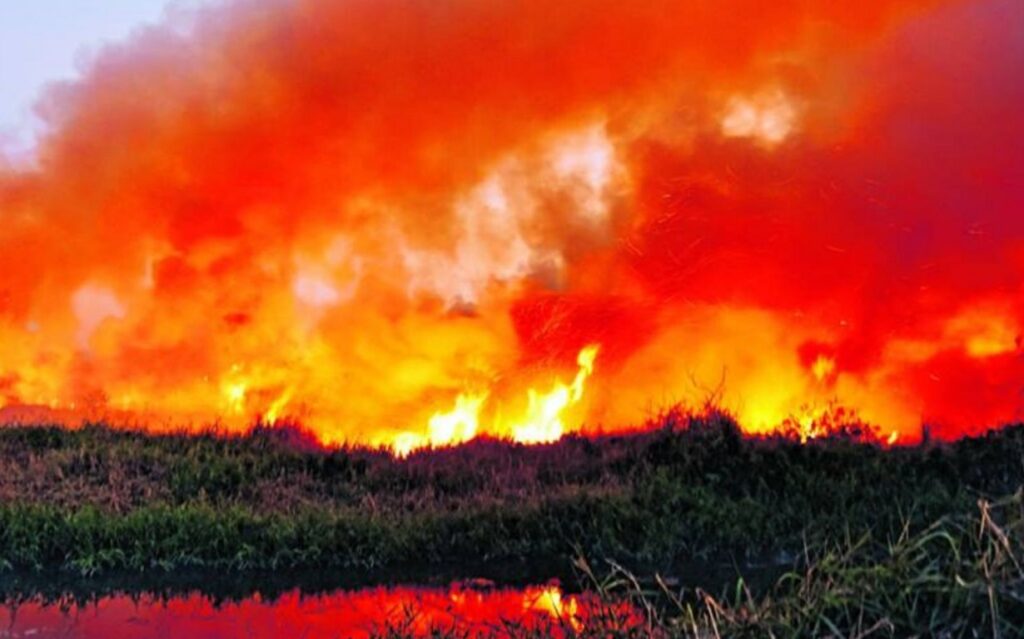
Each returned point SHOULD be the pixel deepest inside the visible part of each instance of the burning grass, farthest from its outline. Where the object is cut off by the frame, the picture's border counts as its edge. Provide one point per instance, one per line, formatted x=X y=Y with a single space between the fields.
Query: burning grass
x=99 y=499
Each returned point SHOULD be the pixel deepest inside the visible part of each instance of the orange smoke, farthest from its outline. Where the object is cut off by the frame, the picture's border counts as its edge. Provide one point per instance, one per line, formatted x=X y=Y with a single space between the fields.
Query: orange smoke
x=409 y=223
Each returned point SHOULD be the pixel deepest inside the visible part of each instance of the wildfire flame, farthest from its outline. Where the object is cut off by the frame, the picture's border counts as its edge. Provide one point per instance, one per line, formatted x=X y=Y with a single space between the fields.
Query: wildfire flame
x=541 y=422
x=456 y=426
x=402 y=223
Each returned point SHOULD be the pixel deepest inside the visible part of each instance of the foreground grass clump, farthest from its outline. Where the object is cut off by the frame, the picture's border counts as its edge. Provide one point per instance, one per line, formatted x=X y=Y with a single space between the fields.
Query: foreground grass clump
x=960 y=577
x=98 y=499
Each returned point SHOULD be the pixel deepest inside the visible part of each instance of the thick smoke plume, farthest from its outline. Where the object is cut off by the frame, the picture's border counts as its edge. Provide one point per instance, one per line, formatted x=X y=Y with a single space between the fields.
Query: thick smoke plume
x=353 y=213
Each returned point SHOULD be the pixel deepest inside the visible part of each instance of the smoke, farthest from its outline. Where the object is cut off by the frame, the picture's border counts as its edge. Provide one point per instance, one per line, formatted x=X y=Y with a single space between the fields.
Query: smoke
x=352 y=212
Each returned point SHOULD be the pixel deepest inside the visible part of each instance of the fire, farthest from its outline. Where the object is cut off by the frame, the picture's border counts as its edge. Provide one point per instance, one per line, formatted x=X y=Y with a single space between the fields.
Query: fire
x=456 y=426
x=277 y=407
x=541 y=422
x=460 y=424
x=234 y=389
x=409 y=225
x=823 y=367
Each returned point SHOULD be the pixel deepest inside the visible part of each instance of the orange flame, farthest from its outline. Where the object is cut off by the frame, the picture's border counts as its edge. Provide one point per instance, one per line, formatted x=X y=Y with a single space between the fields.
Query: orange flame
x=542 y=421
x=456 y=426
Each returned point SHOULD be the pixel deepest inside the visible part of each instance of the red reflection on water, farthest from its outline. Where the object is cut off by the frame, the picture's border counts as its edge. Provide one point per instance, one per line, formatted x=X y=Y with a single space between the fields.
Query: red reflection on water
x=412 y=611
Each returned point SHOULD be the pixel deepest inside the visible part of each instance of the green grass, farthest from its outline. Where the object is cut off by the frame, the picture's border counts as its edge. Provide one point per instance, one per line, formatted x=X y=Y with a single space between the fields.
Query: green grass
x=97 y=500
x=960 y=577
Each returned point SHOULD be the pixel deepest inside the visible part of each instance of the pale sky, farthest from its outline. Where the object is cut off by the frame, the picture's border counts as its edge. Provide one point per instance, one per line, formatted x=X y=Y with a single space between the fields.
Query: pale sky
x=41 y=40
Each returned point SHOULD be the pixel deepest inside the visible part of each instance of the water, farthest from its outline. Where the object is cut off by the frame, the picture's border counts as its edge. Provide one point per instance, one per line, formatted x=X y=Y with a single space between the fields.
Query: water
x=314 y=604
x=465 y=608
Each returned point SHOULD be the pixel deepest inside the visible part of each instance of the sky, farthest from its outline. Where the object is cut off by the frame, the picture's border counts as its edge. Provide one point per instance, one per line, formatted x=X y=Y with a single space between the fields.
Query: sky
x=49 y=40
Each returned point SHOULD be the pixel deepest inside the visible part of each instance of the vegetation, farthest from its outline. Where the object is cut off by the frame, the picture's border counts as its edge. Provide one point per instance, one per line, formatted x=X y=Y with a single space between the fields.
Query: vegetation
x=877 y=541
x=961 y=577
x=99 y=499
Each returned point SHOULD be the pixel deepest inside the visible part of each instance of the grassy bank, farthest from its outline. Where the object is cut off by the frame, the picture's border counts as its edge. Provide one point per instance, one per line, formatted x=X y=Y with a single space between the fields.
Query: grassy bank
x=97 y=499
x=960 y=577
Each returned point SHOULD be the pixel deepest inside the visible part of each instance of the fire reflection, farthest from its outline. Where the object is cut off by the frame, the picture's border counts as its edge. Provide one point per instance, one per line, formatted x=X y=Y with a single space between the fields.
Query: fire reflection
x=463 y=610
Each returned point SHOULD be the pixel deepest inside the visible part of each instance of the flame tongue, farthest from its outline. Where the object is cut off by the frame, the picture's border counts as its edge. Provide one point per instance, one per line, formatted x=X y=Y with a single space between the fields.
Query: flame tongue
x=541 y=422
x=456 y=426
